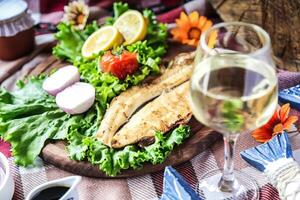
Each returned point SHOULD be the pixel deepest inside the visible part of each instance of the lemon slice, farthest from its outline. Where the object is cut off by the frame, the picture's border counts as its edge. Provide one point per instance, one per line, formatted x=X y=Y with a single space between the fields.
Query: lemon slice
x=103 y=39
x=132 y=25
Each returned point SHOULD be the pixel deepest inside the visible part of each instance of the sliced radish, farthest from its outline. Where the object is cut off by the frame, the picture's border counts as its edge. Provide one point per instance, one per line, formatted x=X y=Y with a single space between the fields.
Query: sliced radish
x=62 y=78
x=77 y=98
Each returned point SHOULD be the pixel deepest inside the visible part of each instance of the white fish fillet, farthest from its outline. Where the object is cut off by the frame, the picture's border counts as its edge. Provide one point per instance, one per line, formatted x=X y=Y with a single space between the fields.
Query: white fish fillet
x=162 y=114
x=123 y=106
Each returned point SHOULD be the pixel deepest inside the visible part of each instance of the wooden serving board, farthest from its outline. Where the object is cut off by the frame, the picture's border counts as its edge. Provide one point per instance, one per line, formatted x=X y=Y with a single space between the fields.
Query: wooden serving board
x=201 y=138
x=56 y=154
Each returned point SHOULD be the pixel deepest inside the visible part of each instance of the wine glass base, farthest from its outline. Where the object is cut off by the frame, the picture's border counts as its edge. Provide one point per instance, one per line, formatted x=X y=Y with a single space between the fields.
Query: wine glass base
x=246 y=188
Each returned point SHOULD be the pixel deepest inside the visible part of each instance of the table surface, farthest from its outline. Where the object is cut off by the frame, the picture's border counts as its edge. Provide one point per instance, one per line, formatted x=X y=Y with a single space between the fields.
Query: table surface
x=143 y=187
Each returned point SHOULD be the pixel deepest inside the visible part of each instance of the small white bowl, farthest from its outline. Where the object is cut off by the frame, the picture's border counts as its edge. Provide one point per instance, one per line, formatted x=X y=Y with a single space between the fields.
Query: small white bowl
x=71 y=182
x=7 y=185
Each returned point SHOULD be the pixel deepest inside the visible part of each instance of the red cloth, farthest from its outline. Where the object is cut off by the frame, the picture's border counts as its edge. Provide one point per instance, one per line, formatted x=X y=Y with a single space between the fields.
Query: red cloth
x=167 y=10
x=170 y=16
x=5 y=148
x=48 y=6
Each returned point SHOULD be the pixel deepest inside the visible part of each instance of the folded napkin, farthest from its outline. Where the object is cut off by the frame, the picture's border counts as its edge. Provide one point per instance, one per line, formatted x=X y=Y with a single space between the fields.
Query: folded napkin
x=176 y=188
x=287 y=79
x=291 y=95
x=275 y=159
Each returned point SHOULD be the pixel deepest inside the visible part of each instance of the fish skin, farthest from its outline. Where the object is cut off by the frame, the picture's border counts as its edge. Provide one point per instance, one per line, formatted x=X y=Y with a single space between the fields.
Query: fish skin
x=162 y=114
x=123 y=106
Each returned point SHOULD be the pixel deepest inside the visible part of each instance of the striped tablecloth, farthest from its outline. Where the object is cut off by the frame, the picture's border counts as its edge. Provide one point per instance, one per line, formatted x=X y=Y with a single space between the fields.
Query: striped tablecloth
x=149 y=186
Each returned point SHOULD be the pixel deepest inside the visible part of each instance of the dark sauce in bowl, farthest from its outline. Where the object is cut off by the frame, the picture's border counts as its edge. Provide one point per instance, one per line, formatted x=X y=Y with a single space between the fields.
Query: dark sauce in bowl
x=52 y=193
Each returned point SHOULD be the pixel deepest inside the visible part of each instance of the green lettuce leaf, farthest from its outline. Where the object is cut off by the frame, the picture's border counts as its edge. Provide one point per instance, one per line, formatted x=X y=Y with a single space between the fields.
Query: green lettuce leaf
x=28 y=135
x=112 y=161
x=119 y=8
x=108 y=86
x=156 y=32
x=70 y=40
x=29 y=117
x=147 y=56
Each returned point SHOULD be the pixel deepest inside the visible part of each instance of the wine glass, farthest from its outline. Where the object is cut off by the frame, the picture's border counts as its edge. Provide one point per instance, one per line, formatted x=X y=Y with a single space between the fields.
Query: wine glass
x=233 y=89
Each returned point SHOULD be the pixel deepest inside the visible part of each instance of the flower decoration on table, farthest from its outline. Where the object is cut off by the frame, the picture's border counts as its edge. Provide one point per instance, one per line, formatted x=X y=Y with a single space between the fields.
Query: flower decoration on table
x=280 y=121
x=190 y=27
x=76 y=14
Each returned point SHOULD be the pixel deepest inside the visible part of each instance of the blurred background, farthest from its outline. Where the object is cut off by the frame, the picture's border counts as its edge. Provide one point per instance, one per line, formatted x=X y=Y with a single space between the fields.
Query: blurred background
x=280 y=18
x=166 y=10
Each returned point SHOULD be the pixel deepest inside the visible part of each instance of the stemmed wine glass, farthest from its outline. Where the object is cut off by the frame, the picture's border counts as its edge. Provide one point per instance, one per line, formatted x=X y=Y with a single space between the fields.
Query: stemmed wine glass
x=233 y=89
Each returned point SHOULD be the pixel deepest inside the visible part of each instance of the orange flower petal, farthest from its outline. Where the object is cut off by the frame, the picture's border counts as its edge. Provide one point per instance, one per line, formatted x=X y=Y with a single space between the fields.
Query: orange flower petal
x=278 y=128
x=192 y=42
x=182 y=24
x=194 y=16
x=289 y=122
x=183 y=21
x=279 y=122
x=261 y=135
x=273 y=121
x=202 y=21
x=284 y=112
x=185 y=41
x=184 y=18
x=262 y=130
x=178 y=33
x=183 y=31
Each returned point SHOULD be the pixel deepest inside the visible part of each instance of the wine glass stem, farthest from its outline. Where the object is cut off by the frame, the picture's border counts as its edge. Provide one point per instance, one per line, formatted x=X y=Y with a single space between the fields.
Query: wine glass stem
x=227 y=181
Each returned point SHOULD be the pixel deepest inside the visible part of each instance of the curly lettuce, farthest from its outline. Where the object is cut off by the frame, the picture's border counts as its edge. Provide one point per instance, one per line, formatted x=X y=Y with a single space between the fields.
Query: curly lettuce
x=149 y=51
x=29 y=118
x=119 y=8
x=71 y=40
x=112 y=161
x=108 y=86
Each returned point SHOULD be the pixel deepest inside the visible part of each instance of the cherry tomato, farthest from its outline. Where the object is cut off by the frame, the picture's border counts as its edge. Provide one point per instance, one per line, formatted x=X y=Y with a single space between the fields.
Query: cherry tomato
x=119 y=65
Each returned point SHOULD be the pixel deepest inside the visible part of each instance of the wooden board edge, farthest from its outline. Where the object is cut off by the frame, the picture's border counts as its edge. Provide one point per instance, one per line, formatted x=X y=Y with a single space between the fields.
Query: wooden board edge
x=55 y=154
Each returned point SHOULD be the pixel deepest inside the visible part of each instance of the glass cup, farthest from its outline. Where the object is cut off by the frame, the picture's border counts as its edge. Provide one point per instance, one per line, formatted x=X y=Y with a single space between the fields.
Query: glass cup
x=233 y=89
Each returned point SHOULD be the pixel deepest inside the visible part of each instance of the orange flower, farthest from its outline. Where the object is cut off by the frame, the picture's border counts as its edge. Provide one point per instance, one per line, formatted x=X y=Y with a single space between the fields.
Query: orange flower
x=189 y=28
x=279 y=122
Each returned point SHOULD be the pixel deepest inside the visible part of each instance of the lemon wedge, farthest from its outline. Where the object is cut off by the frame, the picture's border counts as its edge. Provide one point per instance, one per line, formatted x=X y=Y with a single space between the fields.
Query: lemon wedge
x=103 y=39
x=132 y=26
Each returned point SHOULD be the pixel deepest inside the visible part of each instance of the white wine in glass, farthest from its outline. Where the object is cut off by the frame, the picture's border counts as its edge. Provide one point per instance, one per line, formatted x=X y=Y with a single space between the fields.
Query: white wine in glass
x=233 y=93
x=233 y=89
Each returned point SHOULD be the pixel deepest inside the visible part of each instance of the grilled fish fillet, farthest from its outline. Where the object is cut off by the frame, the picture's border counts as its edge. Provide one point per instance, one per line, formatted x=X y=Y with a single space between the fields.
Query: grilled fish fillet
x=163 y=113
x=123 y=106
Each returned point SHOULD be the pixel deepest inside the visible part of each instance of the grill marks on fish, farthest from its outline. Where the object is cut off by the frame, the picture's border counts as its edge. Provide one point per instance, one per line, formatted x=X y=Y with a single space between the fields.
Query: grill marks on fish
x=127 y=103
x=162 y=114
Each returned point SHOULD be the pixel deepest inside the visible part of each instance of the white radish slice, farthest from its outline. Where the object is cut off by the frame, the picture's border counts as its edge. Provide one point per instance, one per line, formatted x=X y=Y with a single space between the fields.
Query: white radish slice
x=77 y=98
x=62 y=78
